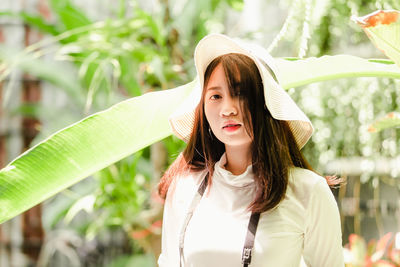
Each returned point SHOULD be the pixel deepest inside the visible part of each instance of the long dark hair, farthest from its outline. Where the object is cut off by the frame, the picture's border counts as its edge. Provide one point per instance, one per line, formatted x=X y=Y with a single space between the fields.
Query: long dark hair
x=274 y=149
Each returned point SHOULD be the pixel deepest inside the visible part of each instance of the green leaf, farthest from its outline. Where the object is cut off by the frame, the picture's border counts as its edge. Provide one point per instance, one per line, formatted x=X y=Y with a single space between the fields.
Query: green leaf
x=106 y=137
x=30 y=110
x=34 y=21
x=85 y=203
x=128 y=69
x=390 y=120
x=294 y=73
x=383 y=29
x=76 y=152
x=69 y=15
x=142 y=260
x=155 y=26
x=44 y=70
x=236 y=4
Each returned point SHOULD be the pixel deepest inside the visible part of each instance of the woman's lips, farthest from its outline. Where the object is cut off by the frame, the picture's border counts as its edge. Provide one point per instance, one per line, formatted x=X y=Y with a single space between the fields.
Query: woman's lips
x=231 y=127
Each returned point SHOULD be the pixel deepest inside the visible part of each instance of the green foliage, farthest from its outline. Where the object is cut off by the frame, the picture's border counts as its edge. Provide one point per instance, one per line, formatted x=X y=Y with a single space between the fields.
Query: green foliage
x=35 y=21
x=69 y=16
x=131 y=52
x=48 y=71
x=145 y=260
x=341 y=112
x=324 y=26
x=174 y=146
x=124 y=191
x=197 y=18
x=88 y=146
x=127 y=55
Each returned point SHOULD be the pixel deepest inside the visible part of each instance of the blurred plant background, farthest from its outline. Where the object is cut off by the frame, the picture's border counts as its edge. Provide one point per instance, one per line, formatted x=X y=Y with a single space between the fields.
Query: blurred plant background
x=61 y=60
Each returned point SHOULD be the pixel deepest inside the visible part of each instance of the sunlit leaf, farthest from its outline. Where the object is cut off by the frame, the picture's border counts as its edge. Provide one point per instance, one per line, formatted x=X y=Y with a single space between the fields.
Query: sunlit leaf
x=390 y=120
x=74 y=153
x=298 y=72
x=383 y=28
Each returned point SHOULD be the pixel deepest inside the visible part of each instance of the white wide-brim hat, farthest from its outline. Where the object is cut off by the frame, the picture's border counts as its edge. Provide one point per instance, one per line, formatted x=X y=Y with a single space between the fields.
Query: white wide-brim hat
x=278 y=102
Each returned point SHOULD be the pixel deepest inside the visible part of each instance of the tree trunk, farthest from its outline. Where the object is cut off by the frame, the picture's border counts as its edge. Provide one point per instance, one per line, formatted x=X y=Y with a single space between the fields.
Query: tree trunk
x=32 y=229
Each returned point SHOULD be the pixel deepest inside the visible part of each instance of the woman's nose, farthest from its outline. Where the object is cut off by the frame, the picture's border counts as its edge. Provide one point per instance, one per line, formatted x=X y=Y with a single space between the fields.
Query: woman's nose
x=230 y=107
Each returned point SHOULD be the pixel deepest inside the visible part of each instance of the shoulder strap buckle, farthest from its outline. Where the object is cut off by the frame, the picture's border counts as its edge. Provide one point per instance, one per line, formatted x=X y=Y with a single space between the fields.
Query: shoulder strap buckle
x=246 y=255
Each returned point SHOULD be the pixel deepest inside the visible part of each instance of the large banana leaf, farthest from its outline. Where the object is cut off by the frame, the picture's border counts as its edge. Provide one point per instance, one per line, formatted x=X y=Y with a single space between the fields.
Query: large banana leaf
x=95 y=142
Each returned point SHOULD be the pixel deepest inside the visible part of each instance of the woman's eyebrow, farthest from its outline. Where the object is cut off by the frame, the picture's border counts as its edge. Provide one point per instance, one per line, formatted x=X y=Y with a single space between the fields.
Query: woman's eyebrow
x=218 y=88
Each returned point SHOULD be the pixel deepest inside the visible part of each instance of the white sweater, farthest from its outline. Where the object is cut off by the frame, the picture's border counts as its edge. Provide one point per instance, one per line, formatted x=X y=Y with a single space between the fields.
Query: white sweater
x=305 y=224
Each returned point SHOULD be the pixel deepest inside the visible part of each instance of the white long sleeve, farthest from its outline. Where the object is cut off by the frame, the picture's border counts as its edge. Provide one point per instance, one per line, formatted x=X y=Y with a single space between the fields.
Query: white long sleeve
x=322 y=236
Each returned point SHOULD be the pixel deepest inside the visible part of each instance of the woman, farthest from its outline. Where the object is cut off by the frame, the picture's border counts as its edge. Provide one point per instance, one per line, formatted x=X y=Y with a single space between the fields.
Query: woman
x=241 y=192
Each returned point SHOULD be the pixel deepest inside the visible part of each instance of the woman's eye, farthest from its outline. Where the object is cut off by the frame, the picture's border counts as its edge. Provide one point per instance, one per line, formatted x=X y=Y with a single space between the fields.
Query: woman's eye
x=215 y=97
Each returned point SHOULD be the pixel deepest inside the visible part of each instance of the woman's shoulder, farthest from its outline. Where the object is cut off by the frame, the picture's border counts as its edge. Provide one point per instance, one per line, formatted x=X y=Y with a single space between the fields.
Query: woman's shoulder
x=305 y=177
x=186 y=183
x=304 y=184
x=190 y=176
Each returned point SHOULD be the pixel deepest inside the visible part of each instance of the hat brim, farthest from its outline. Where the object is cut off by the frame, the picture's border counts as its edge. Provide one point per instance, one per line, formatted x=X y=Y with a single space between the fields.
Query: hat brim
x=278 y=102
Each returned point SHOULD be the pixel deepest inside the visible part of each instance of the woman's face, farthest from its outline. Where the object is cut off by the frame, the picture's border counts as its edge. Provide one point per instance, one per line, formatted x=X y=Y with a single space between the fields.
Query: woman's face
x=223 y=111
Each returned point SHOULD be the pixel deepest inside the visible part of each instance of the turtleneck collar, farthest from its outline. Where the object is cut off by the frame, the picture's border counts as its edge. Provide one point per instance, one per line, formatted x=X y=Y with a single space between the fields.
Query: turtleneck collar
x=225 y=176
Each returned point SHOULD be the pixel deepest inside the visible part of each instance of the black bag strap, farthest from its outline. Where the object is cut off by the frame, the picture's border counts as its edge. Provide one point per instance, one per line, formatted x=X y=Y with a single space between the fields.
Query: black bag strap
x=251 y=228
x=249 y=241
x=203 y=185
